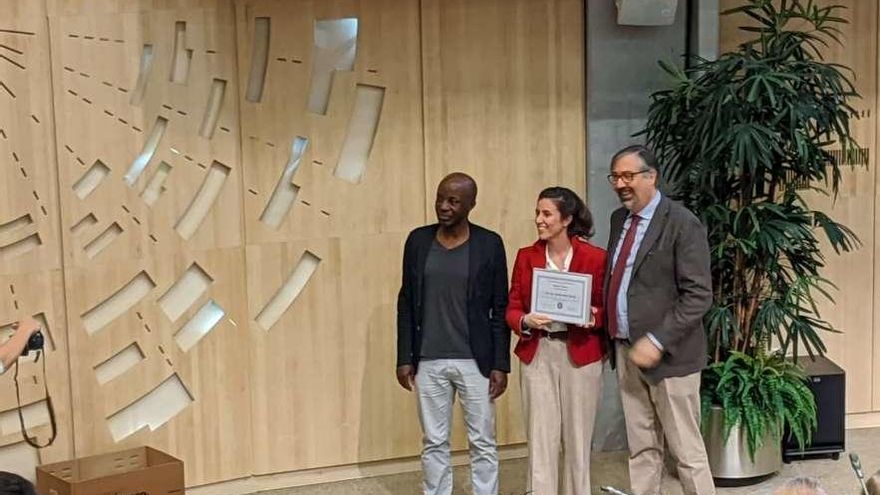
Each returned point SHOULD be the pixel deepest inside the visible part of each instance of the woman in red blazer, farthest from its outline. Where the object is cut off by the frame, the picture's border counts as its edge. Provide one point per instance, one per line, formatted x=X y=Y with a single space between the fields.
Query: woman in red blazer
x=561 y=371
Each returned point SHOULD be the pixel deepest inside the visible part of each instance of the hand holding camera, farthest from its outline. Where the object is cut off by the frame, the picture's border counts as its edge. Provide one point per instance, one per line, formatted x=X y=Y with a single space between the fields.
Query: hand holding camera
x=27 y=337
x=34 y=343
x=30 y=327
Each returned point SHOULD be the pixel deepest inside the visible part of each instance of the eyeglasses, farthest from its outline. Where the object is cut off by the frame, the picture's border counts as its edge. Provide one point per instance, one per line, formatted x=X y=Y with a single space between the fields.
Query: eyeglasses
x=626 y=177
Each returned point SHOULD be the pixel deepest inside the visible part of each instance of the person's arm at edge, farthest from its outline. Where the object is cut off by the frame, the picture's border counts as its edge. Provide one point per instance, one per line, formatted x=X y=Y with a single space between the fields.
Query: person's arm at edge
x=12 y=349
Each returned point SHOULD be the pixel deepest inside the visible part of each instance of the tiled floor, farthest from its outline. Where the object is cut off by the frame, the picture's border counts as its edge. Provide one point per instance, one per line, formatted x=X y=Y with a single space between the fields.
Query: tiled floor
x=609 y=468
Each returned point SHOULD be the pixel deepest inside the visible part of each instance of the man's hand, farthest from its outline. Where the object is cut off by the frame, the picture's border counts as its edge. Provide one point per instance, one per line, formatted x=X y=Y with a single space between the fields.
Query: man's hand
x=497 y=384
x=645 y=354
x=406 y=376
x=537 y=321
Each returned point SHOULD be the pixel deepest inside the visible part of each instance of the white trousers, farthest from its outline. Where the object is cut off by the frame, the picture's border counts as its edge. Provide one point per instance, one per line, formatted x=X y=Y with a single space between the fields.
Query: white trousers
x=437 y=381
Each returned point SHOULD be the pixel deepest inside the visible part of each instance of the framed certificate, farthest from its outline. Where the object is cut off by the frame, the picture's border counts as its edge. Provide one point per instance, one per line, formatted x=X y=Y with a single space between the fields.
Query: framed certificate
x=563 y=296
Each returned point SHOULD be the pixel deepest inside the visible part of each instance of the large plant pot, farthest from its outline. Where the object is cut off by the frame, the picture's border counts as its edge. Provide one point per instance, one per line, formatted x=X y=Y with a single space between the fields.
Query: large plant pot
x=730 y=460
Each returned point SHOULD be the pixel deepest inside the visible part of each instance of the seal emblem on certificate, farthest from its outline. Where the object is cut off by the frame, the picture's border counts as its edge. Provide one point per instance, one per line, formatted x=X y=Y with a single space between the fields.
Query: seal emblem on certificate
x=563 y=296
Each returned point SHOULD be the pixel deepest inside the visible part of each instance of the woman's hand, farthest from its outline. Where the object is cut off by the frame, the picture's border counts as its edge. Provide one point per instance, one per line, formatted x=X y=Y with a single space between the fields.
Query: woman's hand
x=537 y=321
x=592 y=323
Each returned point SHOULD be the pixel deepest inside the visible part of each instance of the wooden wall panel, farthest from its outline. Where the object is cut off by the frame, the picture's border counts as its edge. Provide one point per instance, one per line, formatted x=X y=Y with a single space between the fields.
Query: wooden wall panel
x=147 y=206
x=151 y=114
x=30 y=244
x=323 y=368
x=323 y=375
x=389 y=195
x=211 y=371
x=504 y=92
x=97 y=97
x=504 y=102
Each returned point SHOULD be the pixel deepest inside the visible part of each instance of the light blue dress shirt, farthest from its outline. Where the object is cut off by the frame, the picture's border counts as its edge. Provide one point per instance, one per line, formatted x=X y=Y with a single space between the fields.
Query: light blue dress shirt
x=646 y=215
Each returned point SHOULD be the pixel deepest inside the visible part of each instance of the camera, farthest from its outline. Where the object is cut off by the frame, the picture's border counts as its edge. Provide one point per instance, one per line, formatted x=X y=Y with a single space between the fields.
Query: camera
x=34 y=343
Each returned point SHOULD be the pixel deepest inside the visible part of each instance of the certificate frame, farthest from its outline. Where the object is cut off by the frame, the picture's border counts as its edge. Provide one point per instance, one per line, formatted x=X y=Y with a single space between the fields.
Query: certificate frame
x=563 y=296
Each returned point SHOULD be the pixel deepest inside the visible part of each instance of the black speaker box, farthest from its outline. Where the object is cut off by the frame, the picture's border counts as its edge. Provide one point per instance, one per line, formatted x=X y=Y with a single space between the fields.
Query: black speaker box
x=828 y=383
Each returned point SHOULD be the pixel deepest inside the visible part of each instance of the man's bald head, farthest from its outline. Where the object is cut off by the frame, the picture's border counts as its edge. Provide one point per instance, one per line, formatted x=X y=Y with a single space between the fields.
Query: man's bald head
x=463 y=181
x=456 y=197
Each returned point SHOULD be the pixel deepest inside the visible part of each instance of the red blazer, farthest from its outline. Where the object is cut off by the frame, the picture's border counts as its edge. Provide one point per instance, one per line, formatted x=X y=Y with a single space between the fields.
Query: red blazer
x=584 y=345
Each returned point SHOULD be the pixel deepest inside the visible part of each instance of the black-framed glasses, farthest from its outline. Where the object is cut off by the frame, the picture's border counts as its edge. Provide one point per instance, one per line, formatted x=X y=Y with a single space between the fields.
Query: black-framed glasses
x=626 y=177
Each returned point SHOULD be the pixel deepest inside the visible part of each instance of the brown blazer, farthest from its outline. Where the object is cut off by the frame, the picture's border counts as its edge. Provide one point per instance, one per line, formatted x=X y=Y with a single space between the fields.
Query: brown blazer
x=670 y=289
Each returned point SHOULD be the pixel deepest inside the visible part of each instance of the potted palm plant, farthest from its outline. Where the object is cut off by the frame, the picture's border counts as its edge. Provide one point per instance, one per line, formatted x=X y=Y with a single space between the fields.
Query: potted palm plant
x=743 y=137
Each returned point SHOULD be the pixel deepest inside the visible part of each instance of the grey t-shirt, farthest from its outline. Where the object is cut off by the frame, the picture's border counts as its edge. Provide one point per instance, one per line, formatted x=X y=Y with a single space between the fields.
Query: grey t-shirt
x=445 y=325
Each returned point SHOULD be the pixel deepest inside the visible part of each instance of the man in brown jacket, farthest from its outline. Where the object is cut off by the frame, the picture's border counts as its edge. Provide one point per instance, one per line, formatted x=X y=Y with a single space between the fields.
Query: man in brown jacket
x=658 y=288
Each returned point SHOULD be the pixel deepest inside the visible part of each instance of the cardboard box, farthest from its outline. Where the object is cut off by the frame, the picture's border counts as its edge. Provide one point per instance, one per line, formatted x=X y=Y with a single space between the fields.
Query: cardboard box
x=138 y=471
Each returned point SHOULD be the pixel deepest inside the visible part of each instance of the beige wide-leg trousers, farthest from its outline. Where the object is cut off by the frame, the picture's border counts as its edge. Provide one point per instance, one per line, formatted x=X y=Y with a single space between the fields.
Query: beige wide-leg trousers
x=559 y=402
x=671 y=410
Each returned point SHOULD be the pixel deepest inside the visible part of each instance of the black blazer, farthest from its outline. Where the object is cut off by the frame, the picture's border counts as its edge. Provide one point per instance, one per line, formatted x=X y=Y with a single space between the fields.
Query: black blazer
x=486 y=299
x=671 y=287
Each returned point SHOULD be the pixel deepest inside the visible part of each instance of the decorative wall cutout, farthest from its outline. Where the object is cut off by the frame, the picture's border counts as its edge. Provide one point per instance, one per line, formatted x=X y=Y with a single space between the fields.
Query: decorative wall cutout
x=21 y=246
x=11 y=61
x=156 y=186
x=212 y=109
x=185 y=292
x=137 y=94
x=285 y=190
x=360 y=134
x=91 y=179
x=102 y=240
x=35 y=414
x=181 y=56
x=152 y=143
x=121 y=301
x=259 y=60
x=6 y=89
x=201 y=204
x=99 y=39
x=83 y=223
x=152 y=410
x=119 y=363
x=9 y=48
x=199 y=325
x=289 y=290
x=335 y=49
x=16 y=31
x=11 y=226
